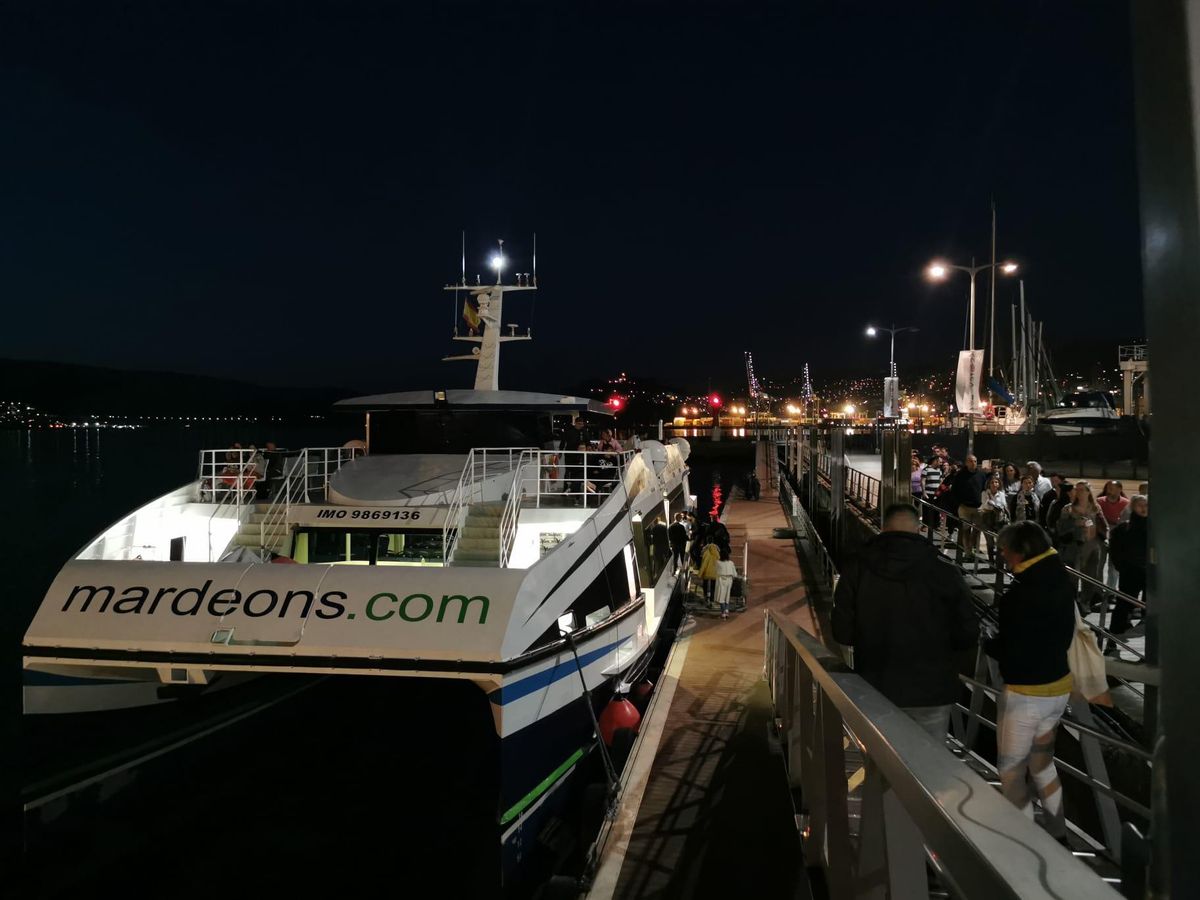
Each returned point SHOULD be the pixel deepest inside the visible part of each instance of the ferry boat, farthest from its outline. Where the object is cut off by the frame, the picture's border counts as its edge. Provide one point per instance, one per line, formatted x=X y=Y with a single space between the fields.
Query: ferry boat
x=457 y=540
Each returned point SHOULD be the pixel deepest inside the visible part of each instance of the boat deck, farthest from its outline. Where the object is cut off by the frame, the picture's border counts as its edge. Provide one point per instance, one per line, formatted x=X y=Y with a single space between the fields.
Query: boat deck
x=715 y=803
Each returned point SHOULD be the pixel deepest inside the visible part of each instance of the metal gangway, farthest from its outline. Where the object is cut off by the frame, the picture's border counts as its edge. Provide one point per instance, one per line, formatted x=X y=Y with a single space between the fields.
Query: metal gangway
x=826 y=499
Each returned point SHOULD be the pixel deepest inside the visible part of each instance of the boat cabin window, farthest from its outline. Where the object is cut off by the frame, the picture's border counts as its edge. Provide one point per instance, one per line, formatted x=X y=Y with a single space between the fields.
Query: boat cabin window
x=368 y=548
x=611 y=590
x=1085 y=401
x=455 y=431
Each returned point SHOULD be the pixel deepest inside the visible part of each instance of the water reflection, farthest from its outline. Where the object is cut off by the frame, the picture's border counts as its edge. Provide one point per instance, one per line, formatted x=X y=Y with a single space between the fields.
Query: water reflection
x=717 y=496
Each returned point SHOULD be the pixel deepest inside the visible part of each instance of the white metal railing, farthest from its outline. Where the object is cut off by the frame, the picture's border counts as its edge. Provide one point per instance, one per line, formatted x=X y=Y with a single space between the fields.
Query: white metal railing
x=320 y=463
x=1133 y=353
x=512 y=505
x=451 y=527
x=521 y=476
x=292 y=488
x=915 y=803
x=230 y=475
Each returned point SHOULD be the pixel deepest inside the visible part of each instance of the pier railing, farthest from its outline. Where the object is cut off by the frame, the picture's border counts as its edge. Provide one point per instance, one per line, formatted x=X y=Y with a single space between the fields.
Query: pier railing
x=909 y=801
x=1094 y=743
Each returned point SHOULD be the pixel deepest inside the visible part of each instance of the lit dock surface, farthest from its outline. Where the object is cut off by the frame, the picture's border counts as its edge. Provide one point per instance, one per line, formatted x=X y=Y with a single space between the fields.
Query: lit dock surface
x=715 y=816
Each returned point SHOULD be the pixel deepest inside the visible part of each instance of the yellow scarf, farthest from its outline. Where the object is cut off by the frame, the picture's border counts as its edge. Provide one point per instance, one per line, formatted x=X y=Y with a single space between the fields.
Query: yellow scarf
x=1022 y=566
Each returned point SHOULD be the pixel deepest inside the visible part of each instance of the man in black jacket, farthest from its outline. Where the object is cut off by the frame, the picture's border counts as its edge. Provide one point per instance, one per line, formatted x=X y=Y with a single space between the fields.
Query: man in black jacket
x=678 y=536
x=907 y=613
x=1128 y=551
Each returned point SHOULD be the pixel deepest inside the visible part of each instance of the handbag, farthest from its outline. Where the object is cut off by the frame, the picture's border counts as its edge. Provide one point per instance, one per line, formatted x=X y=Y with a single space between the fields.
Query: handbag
x=1087 y=664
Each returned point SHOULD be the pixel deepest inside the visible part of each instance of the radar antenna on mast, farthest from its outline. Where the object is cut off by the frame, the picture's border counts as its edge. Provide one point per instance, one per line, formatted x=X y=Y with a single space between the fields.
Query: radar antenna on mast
x=486 y=318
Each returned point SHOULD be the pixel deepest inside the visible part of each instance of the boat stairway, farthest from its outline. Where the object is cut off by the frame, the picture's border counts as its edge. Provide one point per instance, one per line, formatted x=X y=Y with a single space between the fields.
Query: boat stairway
x=479 y=538
x=249 y=533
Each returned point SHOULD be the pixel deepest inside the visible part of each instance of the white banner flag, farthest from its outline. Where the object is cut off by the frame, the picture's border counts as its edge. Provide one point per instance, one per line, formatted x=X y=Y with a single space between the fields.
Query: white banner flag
x=891 y=398
x=966 y=391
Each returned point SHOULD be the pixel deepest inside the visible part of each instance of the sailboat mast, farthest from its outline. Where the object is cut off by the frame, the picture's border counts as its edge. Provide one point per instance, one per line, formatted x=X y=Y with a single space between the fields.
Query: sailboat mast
x=1014 y=387
x=992 y=301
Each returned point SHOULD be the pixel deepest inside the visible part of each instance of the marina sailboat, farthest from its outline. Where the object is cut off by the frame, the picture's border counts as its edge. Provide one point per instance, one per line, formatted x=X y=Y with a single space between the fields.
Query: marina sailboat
x=457 y=540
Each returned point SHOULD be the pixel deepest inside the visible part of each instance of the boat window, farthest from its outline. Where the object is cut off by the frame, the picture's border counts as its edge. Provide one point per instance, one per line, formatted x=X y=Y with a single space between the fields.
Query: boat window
x=399 y=547
x=326 y=546
x=608 y=591
x=1085 y=401
x=361 y=547
x=449 y=430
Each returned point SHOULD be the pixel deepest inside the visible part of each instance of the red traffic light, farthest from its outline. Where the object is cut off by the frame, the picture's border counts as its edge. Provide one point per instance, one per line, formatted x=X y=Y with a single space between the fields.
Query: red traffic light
x=714 y=401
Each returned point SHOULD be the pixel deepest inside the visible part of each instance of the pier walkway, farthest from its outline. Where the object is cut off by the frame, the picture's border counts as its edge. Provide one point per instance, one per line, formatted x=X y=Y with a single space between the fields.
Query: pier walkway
x=714 y=800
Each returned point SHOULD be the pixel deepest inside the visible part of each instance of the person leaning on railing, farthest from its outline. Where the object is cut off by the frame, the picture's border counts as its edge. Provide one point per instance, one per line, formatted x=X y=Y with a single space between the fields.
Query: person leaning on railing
x=1037 y=623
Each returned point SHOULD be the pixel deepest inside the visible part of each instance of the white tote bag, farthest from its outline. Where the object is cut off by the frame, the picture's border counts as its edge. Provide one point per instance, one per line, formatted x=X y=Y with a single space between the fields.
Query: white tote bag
x=1087 y=664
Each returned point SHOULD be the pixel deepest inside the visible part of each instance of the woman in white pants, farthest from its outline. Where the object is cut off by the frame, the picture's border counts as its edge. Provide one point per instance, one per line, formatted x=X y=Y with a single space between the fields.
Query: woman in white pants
x=726 y=572
x=1037 y=623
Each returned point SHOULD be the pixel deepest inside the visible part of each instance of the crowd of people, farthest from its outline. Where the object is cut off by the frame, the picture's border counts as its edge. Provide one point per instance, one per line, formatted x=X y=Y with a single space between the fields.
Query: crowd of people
x=909 y=617
x=1104 y=537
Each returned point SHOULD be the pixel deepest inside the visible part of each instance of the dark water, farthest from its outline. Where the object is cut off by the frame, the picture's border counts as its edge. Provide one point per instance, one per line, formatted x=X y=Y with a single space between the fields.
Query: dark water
x=379 y=775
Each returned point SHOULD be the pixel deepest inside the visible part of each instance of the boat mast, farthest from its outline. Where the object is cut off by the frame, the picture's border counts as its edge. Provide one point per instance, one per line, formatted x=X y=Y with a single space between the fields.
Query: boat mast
x=489 y=307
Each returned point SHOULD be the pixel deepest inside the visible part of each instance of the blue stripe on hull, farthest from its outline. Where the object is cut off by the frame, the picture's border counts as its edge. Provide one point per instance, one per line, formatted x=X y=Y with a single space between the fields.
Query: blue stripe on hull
x=539 y=680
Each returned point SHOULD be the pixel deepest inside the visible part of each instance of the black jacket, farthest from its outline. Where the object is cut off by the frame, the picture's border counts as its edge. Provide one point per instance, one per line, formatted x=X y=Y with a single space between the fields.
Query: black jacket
x=967 y=488
x=678 y=536
x=906 y=612
x=1037 y=623
x=1127 y=546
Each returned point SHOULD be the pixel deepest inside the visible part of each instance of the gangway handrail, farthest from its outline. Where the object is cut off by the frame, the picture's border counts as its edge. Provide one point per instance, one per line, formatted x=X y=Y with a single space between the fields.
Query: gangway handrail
x=916 y=795
x=512 y=507
x=966 y=722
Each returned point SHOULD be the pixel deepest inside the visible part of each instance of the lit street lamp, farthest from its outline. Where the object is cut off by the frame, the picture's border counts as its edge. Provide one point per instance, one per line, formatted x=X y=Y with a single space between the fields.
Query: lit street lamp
x=893 y=331
x=939 y=271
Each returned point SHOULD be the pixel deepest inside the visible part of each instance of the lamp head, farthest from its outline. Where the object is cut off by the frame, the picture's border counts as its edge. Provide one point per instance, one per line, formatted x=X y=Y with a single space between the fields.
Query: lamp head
x=871 y=331
x=937 y=271
x=1008 y=268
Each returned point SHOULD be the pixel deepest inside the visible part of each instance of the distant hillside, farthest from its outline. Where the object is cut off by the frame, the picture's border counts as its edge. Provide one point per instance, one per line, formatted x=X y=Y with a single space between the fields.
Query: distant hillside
x=67 y=389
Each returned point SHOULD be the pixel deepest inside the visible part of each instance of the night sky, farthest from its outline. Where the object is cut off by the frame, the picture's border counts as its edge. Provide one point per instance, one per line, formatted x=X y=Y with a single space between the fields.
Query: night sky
x=275 y=191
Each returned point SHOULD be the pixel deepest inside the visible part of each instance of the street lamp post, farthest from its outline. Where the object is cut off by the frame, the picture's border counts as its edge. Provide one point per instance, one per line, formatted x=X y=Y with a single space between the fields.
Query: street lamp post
x=873 y=330
x=890 y=399
x=938 y=271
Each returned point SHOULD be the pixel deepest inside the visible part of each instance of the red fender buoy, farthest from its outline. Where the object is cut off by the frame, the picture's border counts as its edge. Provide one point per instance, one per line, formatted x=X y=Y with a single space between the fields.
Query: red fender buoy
x=619 y=713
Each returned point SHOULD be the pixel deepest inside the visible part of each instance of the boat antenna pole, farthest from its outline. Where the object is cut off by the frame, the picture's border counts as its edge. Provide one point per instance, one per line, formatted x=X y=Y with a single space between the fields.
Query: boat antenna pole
x=610 y=771
x=535 y=260
x=454 y=313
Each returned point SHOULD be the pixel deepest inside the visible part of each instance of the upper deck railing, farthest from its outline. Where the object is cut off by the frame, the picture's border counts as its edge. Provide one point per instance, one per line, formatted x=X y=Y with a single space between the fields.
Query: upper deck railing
x=1133 y=353
x=527 y=476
